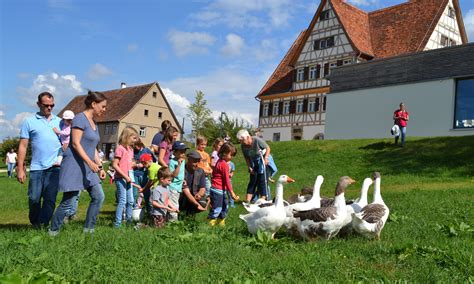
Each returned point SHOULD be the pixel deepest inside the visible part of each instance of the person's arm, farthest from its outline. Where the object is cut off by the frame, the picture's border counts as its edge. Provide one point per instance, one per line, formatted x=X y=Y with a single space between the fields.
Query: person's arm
x=169 y=204
x=22 y=147
x=76 y=144
x=226 y=184
x=118 y=170
x=190 y=197
x=408 y=117
x=267 y=154
x=175 y=172
x=395 y=116
x=161 y=157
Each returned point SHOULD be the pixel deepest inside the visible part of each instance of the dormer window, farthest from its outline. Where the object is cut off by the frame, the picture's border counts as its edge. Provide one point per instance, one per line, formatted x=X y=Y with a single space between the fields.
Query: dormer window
x=324 y=15
x=145 y=112
x=451 y=12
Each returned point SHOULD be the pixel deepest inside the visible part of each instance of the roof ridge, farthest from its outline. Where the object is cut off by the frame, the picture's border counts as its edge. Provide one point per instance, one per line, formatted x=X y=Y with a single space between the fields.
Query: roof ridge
x=131 y=87
x=390 y=7
x=352 y=6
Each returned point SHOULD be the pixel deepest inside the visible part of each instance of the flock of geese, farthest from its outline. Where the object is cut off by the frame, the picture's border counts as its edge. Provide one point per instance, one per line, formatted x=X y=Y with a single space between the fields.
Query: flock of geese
x=320 y=217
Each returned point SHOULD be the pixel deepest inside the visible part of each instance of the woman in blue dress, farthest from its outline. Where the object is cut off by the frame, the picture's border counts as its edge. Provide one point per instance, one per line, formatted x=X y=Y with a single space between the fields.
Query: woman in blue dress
x=81 y=167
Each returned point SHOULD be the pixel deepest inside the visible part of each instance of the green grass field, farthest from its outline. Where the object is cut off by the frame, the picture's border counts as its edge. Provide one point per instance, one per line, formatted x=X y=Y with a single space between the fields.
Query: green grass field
x=428 y=186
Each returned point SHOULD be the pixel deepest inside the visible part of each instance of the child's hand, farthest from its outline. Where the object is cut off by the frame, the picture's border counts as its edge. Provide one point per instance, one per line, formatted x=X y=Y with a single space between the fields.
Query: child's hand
x=235 y=197
x=200 y=208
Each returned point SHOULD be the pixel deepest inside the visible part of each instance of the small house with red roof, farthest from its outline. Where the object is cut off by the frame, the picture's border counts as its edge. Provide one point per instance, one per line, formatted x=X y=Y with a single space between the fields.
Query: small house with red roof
x=293 y=103
x=143 y=107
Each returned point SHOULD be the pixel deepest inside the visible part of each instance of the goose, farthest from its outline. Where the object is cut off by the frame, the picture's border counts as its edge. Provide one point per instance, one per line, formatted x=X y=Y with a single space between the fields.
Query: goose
x=324 y=222
x=260 y=203
x=371 y=219
x=304 y=195
x=356 y=207
x=314 y=202
x=270 y=218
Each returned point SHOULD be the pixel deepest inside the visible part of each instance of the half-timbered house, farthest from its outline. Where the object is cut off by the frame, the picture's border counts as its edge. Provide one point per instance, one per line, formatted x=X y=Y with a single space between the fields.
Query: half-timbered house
x=293 y=101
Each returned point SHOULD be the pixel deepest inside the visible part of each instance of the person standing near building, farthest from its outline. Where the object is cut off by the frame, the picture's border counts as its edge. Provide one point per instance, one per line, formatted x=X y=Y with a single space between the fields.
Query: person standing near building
x=155 y=142
x=401 y=117
x=44 y=177
x=10 y=161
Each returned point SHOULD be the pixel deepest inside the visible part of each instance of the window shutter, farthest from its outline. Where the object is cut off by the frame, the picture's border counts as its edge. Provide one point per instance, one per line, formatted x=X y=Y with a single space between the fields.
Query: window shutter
x=292 y=106
x=270 y=109
x=324 y=103
x=316 y=44
x=306 y=73
x=318 y=71
x=260 y=113
x=305 y=105
x=330 y=41
x=317 y=105
x=295 y=75
x=326 y=69
x=280 y=108
x=339 y=63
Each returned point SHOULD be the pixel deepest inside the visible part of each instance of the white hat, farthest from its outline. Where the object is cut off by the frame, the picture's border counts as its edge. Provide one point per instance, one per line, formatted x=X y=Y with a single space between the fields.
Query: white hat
x=68 y=114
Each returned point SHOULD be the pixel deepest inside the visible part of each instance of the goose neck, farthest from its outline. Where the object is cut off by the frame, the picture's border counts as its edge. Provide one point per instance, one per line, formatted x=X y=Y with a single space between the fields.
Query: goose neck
x=279 y=195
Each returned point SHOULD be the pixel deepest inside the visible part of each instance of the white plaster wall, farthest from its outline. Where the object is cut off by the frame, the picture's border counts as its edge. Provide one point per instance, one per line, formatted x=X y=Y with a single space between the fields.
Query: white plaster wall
x=285 y=133
x=368 y=113
x=446 y=26
x=310 y=131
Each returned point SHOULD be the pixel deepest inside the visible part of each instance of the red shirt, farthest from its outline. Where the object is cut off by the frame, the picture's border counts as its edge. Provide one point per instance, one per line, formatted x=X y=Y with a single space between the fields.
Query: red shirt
x=220 y=176
x=400 y=113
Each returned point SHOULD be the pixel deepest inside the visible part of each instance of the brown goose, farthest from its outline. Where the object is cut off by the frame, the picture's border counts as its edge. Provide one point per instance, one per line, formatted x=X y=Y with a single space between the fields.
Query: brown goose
x=371 y=219
x=324 y=222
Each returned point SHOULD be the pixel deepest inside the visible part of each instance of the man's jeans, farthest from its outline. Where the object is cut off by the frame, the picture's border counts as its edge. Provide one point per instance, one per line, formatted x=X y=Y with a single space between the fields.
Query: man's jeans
x=43 y=184
x=403 y=133
x=69 y=198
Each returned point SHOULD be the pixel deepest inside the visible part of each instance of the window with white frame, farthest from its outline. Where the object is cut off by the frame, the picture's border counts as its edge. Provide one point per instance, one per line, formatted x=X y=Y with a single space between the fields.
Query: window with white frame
x=324 y=15
x=142 y=131
x=312 y=73
x=265 y=110
x=286 y=107
x=114 y=129
x=311 y=105
x=300 y=74
x=347 y=61
x=299 y=106
x=275 y=109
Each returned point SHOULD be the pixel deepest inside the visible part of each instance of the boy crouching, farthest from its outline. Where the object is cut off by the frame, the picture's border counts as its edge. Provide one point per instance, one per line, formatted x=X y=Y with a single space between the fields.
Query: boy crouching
x=160 y=201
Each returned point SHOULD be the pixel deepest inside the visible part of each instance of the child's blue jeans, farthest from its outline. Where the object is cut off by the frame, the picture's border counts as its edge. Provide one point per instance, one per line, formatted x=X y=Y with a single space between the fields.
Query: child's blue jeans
x=125 y=201
x=218 y=204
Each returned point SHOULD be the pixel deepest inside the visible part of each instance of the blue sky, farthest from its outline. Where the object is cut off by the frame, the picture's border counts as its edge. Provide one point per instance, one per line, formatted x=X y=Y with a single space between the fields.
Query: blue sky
x=226 y=48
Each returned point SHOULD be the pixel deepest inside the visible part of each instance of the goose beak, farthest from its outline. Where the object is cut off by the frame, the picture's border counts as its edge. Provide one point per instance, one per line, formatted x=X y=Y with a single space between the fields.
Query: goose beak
x=289 y=180
x=351 y=181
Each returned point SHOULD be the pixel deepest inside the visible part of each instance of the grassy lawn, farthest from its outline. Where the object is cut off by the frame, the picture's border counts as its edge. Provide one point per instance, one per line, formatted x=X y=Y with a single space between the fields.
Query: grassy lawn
x=428 y=186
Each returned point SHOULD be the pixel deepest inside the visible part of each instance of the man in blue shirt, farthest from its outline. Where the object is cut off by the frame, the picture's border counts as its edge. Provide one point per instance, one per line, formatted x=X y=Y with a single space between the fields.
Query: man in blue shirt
x=45 y=146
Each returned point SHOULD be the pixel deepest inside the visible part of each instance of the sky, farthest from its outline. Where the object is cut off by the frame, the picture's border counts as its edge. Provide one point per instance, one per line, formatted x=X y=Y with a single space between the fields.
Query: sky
x=225 y=48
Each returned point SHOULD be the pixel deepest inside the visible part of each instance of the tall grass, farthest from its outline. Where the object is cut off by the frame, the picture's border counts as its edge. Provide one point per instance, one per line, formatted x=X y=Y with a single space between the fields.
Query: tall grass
x=428 y=186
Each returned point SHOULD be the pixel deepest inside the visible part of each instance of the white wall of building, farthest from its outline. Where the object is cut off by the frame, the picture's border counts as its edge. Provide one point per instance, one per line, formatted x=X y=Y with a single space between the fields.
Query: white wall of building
x=285 y=133
x=368 y=113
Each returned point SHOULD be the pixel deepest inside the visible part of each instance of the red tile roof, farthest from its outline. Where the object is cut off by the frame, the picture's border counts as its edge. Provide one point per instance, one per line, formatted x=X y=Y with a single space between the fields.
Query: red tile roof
x=119 y=102
x=404 y=28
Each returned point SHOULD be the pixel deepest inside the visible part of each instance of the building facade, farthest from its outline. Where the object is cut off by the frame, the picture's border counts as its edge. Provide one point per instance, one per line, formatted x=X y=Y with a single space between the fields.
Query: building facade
x=143 y=107
x=436 y=86
x=293 y=102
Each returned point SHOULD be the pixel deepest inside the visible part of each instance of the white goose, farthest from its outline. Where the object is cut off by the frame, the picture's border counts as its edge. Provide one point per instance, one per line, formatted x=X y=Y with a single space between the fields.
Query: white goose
x=271 y=218
x=356 y=207
x=371 y=219
x=324 y=222
x=314 y=202
x=260 y=203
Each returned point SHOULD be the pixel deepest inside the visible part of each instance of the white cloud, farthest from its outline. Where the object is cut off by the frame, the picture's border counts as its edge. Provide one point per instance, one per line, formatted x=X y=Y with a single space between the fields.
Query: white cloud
x=234 y=45
x=185 y=43
x=267 y=50
x=179 y=104
x=11 y=128
x=226 y=90
x=241 y=14
x=132 y=47
x=98 y=71
x=63 y=88
x=469 y=24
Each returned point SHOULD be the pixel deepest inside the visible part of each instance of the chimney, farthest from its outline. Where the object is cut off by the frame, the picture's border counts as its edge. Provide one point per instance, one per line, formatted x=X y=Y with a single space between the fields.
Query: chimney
x=123 y=85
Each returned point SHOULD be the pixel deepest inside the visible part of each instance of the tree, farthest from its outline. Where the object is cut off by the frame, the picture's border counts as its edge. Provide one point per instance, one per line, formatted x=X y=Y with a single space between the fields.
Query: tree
x=199 y=113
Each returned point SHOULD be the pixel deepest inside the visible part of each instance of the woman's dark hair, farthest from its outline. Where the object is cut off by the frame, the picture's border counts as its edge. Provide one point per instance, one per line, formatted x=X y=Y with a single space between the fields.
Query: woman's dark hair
x=226 y=148
x=139 y=143
x=94 y=97
x=165 y=125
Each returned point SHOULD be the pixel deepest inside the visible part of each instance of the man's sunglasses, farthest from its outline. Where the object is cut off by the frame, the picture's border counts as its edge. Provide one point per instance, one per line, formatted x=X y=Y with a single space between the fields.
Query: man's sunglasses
x=45 y=105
